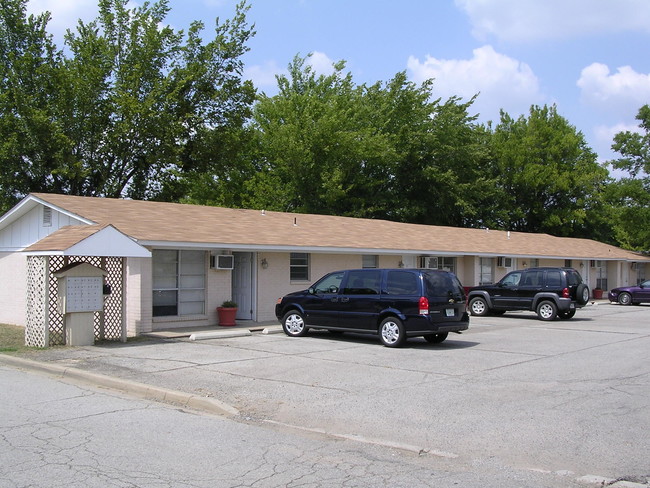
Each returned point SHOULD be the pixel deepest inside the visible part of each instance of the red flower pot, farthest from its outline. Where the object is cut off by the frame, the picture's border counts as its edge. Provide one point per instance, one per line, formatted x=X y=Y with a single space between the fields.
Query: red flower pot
x=226 y=316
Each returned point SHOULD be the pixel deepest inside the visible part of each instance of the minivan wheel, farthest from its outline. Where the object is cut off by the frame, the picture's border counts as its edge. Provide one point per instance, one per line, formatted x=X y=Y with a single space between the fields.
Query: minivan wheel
x=546 y=310
x=293 y=324
x=391 y=332
x=624 y=298
x=436 y=338
x=478 y=306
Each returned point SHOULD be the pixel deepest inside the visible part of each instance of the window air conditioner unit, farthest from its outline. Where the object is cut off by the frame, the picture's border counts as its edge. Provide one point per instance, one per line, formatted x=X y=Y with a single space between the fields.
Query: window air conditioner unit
x=222 y=261
x=430 y=262
x=504 y=262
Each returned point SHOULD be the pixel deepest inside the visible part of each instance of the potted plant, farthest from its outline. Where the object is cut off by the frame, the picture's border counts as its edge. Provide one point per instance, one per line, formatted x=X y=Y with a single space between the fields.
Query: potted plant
x=226 y=313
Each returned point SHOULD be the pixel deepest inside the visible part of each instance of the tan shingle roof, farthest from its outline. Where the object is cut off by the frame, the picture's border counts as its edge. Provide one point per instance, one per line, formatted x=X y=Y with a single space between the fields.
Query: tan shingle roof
x=156 y=222
x=64 y=238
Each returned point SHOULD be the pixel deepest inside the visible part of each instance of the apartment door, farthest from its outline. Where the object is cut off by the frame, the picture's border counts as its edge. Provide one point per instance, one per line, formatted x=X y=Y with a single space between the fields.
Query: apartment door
x=242 y=285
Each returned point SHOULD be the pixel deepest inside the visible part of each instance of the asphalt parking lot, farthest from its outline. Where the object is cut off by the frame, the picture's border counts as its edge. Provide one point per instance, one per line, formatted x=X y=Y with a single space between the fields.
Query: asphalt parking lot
x=564 y=397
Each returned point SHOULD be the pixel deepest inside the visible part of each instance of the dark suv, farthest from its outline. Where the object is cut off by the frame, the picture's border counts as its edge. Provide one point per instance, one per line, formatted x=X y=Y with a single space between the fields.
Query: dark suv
x=551 y=292
x=392 y=303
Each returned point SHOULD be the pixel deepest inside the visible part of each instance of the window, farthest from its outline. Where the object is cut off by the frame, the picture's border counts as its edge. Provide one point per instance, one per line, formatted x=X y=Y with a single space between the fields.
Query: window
x=554 y=279
x=534 y=262
x=47 y=217
x=178 y=282
x=511 y=279
x=370 y=261
x=486 y=271
x=299 y=266
x=444 y=263
x=402 y=283
x=567 y=263
x=329 y=284
x=363 y=283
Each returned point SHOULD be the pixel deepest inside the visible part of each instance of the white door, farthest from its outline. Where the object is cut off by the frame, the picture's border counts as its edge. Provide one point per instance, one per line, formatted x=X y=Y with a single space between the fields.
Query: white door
x=242 y=285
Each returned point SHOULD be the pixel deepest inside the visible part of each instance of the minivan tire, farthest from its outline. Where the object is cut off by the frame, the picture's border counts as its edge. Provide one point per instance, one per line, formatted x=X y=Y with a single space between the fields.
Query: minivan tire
x=293 y=324
x=391 y=332
x=547 y=310
x=478 y=306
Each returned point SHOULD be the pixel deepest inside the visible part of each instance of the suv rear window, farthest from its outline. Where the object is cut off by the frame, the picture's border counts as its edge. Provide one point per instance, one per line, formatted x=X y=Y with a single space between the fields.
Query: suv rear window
x=573 y=278
x=553 y=279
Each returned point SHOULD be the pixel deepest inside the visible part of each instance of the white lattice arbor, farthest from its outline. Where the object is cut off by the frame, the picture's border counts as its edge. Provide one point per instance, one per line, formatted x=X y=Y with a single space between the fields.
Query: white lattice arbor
x=45 y=325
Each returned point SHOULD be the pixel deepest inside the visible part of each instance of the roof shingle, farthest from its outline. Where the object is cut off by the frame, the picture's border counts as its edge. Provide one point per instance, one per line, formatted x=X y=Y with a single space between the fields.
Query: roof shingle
x=157 y=222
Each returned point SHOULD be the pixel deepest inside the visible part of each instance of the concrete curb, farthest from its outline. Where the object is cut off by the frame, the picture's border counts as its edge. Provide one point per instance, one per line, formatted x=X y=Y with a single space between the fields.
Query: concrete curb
x=219 y=335
x=141 y=390
x=226 y=334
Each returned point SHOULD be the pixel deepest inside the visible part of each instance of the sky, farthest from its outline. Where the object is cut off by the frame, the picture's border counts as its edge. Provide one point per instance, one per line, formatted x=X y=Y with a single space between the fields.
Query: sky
x=588 y=57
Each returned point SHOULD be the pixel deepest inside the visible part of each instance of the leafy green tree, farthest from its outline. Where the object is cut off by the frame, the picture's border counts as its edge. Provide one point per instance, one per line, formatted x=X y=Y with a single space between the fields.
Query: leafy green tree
x=327 y=145
x=135 y=110
x=631 y=195
x=33 y=143
x=549 y=177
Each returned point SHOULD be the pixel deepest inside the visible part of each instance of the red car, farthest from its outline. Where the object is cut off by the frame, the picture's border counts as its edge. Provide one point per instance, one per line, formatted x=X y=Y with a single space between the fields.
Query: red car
x=627 y=295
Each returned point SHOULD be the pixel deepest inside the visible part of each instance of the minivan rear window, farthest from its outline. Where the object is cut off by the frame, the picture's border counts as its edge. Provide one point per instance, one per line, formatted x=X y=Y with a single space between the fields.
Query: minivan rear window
x=402 y=283
x=442 y=284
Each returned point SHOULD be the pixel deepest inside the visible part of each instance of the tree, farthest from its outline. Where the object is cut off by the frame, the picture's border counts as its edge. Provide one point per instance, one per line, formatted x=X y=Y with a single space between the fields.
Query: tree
x=135 y=110
x=549 y=177
x=33 y=142
x=327 y=145
x=630 y=195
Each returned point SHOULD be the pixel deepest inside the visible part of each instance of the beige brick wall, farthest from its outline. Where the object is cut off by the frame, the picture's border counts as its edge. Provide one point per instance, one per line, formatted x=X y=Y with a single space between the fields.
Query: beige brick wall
x=13 y=290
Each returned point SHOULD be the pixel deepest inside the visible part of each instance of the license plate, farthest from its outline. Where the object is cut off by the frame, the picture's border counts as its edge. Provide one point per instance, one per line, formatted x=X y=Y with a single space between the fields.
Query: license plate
x=449 y=312
x=572 y=306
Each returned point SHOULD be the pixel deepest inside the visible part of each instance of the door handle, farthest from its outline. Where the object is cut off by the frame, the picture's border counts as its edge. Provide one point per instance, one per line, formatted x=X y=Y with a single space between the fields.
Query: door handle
x=345 y=299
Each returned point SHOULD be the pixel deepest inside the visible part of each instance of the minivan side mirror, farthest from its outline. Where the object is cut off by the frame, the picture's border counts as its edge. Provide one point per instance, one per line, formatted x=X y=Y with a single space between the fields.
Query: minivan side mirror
x=311 y=290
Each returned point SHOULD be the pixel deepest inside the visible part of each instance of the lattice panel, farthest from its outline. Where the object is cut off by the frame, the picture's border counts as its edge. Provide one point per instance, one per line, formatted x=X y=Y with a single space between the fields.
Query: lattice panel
x=107 y=324
x=35 y=330
x=57 y=326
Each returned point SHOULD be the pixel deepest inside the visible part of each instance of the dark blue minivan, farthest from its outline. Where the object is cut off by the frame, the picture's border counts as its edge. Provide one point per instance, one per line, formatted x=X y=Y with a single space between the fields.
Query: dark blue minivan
x=392 y=303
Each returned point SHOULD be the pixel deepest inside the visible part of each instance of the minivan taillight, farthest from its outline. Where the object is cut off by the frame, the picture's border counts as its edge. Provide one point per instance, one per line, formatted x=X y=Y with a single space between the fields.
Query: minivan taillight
x=565 y=293
x=424 y=305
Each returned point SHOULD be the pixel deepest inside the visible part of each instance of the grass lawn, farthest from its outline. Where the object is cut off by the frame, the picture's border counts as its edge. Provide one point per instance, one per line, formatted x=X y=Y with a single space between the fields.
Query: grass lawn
x=12 y=339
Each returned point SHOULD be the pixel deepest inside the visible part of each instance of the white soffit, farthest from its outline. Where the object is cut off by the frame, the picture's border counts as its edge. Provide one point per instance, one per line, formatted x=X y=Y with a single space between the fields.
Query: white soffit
x=108 y=242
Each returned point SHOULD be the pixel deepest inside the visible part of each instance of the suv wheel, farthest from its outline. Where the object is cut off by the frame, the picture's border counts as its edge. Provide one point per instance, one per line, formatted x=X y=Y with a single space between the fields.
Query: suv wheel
x=546 y=310
x=582 y=294
x=478 y=306
x=294 y=324
x=391 y=332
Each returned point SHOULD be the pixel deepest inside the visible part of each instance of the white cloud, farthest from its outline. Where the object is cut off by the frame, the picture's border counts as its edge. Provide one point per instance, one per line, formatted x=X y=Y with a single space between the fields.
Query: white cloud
x=524 y=20
x=321 y=63
x=65 y=13
x=622 y=92
x=603 y=138
x=503 y=82
x=264 y=76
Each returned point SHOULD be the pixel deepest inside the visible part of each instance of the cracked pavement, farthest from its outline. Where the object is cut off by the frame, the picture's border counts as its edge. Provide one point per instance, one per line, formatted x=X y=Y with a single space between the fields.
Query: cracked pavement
x=514 y=400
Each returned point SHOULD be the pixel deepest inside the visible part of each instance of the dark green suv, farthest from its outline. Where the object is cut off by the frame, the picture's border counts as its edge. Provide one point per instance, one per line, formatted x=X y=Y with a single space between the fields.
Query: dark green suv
x=550 y=292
